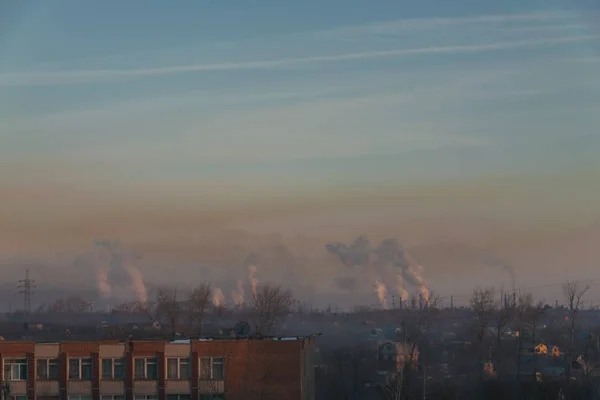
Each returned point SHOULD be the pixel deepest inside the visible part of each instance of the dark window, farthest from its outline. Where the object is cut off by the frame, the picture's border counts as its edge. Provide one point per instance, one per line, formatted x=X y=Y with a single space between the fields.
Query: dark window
x=80 y=369
x=47 y=369
x=145 y=369
x=15 y=370
x=179 y=397
x=178 y=368
x=212 y=397
x=212 y=368
x=113 y=369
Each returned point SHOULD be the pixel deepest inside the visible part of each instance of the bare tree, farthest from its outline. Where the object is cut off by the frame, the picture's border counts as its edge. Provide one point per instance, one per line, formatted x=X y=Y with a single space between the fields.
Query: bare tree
x=502 y=316
x=198 y=302
x=416 y=323
x=483 y=306
x=71 y=304
x=523 y=305
x=573 y=293
x=169 y=308
x=270 y=304
x=535 y=315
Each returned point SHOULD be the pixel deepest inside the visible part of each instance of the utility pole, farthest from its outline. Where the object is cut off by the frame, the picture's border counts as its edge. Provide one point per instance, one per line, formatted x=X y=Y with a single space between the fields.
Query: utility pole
x=26 y=287
x=424 y=384
x=452 y=302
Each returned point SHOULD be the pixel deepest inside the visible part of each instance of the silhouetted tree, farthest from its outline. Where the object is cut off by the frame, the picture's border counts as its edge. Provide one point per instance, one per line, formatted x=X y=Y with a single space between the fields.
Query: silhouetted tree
x=198 y=302
x=269 y=305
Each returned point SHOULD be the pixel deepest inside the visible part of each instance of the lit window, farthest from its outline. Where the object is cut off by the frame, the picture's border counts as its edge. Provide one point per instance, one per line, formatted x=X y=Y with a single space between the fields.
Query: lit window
x=212 y=368
x=145 y=369
x=178 y=368
x=113 y=369
x=15 y=370
x=80 y=369
x=47 y=369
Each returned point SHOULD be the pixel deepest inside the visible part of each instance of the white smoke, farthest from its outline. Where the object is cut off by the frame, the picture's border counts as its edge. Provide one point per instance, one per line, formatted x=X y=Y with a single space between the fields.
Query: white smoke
x=218 y=298
x=400 y=289
x=120 y=260
x=137 y=280
x=102 y=281
x=381 y=293
x=423 y=289
x=238 y=294
x=252 y=278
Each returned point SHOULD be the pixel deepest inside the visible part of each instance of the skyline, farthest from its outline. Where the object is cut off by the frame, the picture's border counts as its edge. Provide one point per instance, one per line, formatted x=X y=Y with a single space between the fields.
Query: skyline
x=434 y=123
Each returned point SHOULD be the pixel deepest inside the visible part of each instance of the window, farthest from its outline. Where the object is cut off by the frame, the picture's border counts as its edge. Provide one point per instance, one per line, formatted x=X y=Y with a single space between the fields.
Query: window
x=212 y=397
x=113 y=369
x=80 y=369
x=47 y=369
x=212 y=368
x=80 y=397
x=179 y=397
x=145 y=368
x=15 y=370
x=146 y=397
x=115 y=397
x=178 y=368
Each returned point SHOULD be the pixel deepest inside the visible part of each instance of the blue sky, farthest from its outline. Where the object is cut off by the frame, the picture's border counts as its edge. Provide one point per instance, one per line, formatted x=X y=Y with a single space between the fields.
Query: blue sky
x=478 y=121
x=219 y=90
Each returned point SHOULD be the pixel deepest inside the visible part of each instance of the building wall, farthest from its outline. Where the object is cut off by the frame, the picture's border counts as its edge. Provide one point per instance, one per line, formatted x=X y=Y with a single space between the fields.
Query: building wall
x=253 y=369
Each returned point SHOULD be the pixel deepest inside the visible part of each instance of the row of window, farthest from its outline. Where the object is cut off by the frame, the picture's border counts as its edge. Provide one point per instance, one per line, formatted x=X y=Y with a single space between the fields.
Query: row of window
x=114 y=369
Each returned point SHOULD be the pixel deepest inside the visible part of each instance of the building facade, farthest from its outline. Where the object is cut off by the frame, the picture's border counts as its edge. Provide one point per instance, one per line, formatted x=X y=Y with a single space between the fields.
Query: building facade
x=204 y=369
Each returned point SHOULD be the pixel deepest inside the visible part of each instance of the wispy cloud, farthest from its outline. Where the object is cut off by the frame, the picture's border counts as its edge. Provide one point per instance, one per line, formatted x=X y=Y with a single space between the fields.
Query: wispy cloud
x=86 y=76
x=403 y=25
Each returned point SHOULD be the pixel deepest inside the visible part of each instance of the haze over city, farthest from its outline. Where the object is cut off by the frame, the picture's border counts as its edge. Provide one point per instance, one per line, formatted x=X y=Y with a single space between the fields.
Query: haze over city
x=207 y=138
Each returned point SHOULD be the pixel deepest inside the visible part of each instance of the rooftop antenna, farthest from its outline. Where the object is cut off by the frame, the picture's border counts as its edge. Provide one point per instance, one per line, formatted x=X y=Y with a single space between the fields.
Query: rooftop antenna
x=242 y=329
x=26 y=287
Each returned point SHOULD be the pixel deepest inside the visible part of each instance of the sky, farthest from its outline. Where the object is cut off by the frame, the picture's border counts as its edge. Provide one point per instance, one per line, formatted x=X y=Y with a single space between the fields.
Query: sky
x=433 y=121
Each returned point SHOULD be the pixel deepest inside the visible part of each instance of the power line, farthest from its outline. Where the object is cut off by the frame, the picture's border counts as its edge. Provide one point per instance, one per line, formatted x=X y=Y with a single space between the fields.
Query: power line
x=26 y=287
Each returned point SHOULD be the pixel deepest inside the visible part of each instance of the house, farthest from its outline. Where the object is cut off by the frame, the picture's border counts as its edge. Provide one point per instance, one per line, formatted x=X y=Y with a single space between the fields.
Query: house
x=549 y=350
x=541 y=349
x=554 y=351
x=392 y=356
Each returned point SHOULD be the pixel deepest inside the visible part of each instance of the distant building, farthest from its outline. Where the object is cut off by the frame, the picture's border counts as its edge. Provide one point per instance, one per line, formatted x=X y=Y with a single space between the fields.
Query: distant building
x=392 y=356
x=157 y=370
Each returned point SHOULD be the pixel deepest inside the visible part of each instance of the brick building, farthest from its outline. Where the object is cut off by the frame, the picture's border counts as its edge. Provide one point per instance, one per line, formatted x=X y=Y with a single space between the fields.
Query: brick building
x=203 y=369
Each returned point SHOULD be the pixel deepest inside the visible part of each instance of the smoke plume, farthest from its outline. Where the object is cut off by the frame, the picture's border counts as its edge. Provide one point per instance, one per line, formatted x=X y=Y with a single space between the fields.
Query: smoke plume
x=102 y=281
x=252 y=278
x=388 y=260
x=381 y=293
x=402 y=292
x=120 y=260
x=218 y=298
x=494 y=261
x=238 y=294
